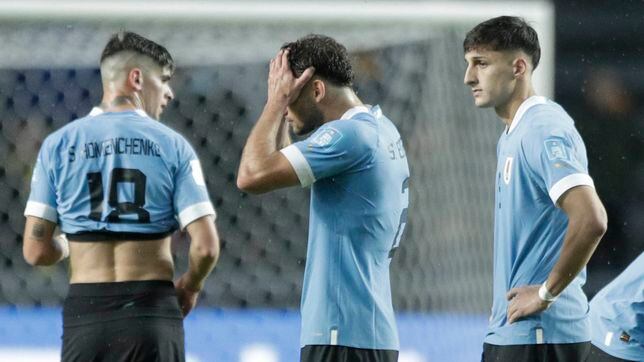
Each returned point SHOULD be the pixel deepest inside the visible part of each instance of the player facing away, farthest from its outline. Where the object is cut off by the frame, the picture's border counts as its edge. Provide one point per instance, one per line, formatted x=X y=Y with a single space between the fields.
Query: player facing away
x=355 y=161
x=118 y=183
x=617 y=317
x=548 y=219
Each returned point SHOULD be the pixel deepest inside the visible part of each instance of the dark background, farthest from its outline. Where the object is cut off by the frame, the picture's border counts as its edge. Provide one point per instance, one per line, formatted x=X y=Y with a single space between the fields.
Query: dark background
x=600 y=82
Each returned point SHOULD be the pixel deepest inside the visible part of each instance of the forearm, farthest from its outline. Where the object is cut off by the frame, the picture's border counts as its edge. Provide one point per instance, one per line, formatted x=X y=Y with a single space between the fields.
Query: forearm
x=200 y=266
x=263 y=139
x=204 y=252
x=49 y=253
x=579 y=245
x=283 y=136
x=39 y=247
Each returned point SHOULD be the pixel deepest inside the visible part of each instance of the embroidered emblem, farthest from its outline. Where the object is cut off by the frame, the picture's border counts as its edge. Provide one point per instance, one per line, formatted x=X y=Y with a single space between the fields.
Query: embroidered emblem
x=556 y=149
x=327 y=137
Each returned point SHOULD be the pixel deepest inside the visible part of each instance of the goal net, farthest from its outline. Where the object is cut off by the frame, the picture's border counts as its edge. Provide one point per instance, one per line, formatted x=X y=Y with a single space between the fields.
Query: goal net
x=408 y=59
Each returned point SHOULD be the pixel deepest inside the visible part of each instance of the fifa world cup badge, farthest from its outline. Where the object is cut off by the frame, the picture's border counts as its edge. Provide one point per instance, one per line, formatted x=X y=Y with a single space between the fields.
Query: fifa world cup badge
x=507 y=170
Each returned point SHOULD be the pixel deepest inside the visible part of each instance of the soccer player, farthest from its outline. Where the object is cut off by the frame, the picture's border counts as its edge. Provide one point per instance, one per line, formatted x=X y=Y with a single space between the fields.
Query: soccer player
x=356 y=164
x=617 y=317
x=119 y=183
x=548 y=218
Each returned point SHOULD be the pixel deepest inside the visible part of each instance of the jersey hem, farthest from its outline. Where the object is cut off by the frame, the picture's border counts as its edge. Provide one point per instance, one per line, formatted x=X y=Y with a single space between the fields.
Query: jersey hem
x=352 y=345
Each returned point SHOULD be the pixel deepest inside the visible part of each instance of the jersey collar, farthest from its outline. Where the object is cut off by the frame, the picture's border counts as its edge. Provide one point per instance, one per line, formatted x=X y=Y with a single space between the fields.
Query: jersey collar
x=527 y=104
x=353 y=111
x=96 y=111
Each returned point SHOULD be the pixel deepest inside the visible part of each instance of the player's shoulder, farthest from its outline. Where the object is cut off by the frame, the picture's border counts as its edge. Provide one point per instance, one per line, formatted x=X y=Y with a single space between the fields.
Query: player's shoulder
x=548 y=114
x=60 y=135
x=548 y=119
x=355 y=132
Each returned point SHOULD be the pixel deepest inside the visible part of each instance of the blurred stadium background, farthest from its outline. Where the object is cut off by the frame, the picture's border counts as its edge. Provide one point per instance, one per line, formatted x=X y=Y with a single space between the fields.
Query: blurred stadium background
x=408 y=59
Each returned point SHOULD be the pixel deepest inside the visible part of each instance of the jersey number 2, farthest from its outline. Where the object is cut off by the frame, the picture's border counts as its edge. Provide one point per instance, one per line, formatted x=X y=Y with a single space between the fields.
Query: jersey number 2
x=118 y=175
x=401 y=224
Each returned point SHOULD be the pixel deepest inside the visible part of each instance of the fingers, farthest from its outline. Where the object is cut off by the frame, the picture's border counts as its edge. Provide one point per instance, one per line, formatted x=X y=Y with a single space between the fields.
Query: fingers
x=304 y=77
x=283 y=55
x=512 y=293
x=516 y=314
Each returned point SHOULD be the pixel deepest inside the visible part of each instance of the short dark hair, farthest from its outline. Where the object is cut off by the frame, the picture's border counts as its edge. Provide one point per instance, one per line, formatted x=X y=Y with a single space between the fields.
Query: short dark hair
x=128 y=41
x=504 y=33
x=330 y=58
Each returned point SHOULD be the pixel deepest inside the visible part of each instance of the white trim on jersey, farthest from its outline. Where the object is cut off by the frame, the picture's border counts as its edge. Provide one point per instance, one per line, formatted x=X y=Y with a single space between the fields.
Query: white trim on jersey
x=353 y=111
x=96 y=111
x=568 y=182
x=41 y=210
x=527 y=104
x=193 y=212
x=300 y=165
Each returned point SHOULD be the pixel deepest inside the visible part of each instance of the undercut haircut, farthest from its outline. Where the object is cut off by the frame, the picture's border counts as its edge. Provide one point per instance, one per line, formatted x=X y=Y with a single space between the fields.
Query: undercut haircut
x=329 y=58
x=504 y=33
x=132 y=42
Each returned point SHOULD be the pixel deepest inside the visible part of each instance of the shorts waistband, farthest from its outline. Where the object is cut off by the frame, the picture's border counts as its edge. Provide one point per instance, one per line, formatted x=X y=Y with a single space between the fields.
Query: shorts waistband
x=120 y=288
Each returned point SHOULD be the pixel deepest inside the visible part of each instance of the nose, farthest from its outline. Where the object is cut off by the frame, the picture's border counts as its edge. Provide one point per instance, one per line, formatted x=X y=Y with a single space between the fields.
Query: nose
x=169 y=95
x=470 y=77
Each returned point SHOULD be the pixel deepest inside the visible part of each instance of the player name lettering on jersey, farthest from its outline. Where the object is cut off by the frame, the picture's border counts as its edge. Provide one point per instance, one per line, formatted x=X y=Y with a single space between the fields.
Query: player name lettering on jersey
x=118 y=146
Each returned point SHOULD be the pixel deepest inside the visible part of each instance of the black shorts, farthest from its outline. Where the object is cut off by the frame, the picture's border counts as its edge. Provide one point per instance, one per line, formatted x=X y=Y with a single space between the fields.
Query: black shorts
x=564 y=352
x=597 y=355
x=124 y=321
x=327 y=353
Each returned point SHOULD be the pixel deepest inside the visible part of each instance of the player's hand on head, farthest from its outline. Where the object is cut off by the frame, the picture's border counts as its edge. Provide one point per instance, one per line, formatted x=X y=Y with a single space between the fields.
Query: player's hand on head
x=187 y=296
x=524 y=301
x=283 y=86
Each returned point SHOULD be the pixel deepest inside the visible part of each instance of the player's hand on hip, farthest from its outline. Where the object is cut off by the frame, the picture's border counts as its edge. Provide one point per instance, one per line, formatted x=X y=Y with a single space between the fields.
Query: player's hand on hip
x=524 y=301
x=186 y=295
x=283 y=86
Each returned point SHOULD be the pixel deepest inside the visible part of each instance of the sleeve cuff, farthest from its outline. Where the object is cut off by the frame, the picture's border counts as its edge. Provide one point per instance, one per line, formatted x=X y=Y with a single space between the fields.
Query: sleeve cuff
x=568 y=182
x=193 y=212
x=41 y=210
x=300 y=165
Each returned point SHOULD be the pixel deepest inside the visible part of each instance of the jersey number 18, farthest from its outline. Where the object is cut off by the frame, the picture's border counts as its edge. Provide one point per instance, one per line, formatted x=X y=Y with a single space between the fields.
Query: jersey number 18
x=118 y=175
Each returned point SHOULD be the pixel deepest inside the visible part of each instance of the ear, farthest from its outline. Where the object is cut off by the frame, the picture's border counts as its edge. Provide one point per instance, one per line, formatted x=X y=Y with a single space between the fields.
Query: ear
x=520 y=67
x=319 y=90
x=135 y=79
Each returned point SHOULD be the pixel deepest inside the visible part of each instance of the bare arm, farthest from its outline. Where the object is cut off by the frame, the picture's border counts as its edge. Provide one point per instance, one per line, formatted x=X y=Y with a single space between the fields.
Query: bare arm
x=39 y=246
x=586 y=226
x=203 y=255
x=262 y=167
x=283 y=136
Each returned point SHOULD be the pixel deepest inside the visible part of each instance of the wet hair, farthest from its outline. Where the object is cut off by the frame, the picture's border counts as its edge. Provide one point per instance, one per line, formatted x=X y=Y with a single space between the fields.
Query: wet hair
x=330 y=58
x=128 y=41
x=504 y=33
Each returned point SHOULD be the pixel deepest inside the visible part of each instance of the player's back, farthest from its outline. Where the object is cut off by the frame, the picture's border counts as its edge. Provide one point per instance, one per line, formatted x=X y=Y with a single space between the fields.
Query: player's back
x=357 y=219
x=117 y=180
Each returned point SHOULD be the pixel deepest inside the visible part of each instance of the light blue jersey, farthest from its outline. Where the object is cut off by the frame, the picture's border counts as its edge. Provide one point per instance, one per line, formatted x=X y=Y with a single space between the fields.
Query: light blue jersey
x=359 y=200
x=540 y=157
x=617 y=314
x=117 y=176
